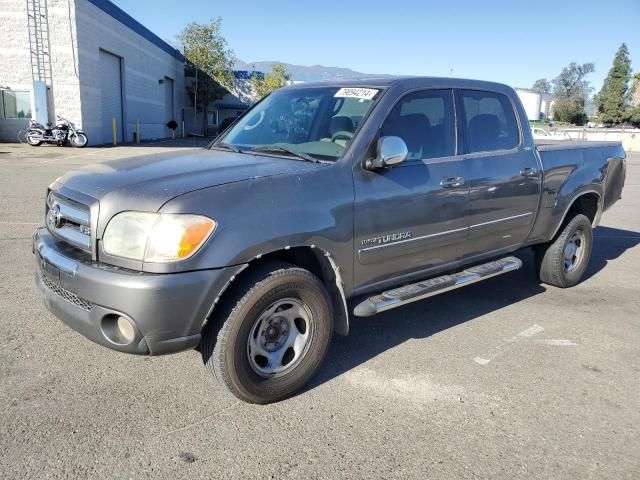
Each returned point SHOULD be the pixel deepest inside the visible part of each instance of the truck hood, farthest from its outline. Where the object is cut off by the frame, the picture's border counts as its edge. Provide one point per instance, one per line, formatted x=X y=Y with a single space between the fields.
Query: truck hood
x=148 y=182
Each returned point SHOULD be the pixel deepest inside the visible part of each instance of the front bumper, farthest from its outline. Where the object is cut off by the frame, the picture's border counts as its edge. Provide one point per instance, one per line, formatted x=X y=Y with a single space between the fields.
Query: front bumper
x=166 y=310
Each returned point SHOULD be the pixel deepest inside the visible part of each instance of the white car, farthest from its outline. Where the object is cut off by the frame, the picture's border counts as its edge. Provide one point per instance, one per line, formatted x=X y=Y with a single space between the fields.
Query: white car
x=542 y=134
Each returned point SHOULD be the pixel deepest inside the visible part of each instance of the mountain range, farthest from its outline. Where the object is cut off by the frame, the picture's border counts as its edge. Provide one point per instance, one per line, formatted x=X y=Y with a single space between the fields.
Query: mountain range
x=306 y=73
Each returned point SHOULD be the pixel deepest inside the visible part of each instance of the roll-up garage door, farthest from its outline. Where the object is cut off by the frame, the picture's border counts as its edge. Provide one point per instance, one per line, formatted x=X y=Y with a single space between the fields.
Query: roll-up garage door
x=111 y=86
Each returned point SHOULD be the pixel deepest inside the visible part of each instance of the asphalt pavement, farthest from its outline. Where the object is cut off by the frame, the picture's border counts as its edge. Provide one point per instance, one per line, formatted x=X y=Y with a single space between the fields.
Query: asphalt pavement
x=504 y=379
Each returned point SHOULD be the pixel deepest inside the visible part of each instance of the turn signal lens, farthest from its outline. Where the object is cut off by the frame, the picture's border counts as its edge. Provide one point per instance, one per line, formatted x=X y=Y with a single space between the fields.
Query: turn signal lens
x=176 y=237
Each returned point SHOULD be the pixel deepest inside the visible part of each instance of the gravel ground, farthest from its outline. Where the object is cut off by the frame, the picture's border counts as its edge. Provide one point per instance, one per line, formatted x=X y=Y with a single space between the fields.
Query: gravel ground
x=503 y=379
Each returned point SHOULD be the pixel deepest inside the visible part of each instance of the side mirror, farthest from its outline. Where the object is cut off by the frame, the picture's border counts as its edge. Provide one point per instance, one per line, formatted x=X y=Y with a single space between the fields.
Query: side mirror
x=390 y=151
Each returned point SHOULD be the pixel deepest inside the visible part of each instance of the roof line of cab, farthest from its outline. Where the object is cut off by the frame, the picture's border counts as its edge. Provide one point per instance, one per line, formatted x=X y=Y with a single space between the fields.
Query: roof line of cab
x=406 y=82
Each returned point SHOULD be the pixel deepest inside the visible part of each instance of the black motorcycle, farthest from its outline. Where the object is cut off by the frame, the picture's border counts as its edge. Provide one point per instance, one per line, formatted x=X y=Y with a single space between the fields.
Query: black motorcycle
x=63 y=133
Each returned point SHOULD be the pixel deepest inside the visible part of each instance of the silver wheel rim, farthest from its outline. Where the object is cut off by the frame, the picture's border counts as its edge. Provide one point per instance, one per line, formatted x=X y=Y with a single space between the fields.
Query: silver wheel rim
x=280 y=338
x=574 y=251
x=79 y=140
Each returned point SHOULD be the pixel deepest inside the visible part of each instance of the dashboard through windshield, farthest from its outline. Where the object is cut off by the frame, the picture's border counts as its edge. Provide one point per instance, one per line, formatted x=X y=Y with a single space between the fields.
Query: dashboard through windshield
x=317 y=122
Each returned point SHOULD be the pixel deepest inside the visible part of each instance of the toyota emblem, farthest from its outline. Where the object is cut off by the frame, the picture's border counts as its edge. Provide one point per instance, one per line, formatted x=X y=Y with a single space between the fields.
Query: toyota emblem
x=54 y=219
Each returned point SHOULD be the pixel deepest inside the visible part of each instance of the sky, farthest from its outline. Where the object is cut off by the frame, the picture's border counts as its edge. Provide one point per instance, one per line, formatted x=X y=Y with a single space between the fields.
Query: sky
x=513 y=42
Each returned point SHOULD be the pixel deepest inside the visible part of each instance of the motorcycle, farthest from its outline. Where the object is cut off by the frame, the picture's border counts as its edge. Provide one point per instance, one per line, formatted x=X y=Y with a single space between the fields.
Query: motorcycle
x=62 y=133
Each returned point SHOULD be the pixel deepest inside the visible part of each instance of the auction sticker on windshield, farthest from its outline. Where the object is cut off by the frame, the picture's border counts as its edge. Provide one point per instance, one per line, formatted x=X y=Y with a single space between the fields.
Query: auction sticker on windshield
x=363 y=93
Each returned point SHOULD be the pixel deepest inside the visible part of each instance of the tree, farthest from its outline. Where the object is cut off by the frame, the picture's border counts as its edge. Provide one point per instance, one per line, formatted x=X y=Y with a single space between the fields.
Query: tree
x=570 y=92
x=634 y=95
x=613 y=99
x=542 y=85
x=278 y=78
x=633 y=113
x=634 y=116
x=207 y=54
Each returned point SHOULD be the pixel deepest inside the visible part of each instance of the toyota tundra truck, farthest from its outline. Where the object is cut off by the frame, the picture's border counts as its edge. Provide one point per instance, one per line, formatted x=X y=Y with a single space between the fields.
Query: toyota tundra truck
x=322 y=202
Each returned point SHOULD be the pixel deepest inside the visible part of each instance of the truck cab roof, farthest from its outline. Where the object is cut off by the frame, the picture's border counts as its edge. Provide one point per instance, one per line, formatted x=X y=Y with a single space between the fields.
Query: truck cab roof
x=408 y=83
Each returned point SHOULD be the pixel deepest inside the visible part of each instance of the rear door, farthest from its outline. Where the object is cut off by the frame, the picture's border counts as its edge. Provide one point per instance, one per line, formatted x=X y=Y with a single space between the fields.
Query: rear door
x=501 y=172
x=411 y=218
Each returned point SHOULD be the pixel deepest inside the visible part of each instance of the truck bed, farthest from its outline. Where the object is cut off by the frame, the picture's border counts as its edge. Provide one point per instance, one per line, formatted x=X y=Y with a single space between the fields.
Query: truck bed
x=600 y=161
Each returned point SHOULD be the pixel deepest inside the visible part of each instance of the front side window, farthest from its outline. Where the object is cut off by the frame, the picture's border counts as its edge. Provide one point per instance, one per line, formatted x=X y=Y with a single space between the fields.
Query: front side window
x=426 y=122
x=490 y=121
x=315 y=121
x=16 y=104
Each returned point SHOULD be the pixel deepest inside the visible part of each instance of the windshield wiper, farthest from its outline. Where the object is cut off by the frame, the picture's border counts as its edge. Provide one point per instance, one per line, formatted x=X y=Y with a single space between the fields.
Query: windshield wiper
x=226 y=146
x=289 y=151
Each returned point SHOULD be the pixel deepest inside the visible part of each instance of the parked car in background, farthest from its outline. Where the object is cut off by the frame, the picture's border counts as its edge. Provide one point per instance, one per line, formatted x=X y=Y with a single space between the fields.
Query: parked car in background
x=542 y=134
x=257 y=248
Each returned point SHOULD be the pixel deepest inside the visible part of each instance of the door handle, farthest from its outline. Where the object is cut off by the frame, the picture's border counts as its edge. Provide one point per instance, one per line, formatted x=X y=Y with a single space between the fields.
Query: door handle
x=528 y=172
x=452 y=182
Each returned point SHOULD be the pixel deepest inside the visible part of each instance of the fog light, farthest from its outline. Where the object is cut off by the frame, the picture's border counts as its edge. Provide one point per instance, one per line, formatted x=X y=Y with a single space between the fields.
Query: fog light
x=126 y=329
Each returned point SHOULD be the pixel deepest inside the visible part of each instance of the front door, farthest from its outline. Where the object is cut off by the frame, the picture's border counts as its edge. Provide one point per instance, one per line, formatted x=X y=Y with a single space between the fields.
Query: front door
x=502 y=175
x=411 y=218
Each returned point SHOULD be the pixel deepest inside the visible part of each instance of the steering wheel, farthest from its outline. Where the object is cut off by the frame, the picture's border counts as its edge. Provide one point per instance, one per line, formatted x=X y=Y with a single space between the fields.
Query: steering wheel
x=344 y=134
x=258 y=121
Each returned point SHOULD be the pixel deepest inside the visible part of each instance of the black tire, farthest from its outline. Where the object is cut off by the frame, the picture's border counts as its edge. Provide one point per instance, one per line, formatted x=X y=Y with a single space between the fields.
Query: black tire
x=550 y=257
x=226 y=337
x=83 y=140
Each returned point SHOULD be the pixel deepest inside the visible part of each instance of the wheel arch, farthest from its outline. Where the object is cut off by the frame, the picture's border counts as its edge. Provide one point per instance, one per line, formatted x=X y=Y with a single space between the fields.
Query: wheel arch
x=312 y=258
x=586 y=202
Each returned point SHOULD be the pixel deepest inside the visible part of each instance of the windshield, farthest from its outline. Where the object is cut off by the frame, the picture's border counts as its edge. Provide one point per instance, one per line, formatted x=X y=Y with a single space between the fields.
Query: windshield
x=319 y=122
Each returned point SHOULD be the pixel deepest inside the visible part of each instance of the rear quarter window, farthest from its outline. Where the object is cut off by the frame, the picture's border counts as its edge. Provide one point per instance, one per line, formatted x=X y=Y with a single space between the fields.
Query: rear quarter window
x=490 y=121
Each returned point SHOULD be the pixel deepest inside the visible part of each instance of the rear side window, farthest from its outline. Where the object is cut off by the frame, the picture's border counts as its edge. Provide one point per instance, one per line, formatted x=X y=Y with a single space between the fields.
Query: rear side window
x=426 y=122
x=490 y=121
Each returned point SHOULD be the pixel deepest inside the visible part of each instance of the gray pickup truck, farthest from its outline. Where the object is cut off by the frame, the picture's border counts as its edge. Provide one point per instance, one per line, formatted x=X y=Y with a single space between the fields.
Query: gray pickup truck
x=322 y=201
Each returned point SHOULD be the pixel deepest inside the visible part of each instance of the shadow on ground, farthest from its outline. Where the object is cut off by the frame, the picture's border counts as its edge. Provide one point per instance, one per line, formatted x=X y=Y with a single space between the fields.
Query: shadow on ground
x=609 y=244
x=369 y=337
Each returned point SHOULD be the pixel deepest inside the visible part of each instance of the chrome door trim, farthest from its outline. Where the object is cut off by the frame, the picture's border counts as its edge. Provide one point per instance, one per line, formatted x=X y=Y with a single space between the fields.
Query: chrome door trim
x=439 y=234
x=505 y=219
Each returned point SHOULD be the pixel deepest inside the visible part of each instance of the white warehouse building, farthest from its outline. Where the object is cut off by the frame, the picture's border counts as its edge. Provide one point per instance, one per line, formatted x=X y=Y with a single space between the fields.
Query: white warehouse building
x=90 y=62
x=531 y=101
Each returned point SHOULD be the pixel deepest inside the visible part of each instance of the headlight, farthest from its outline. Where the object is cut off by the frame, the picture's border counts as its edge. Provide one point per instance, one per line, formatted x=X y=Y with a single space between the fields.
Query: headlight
x=156 y=237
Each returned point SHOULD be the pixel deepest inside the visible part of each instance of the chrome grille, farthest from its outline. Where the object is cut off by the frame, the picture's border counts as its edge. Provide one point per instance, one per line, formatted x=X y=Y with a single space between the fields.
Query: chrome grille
x=66 y=294
x=69 y=221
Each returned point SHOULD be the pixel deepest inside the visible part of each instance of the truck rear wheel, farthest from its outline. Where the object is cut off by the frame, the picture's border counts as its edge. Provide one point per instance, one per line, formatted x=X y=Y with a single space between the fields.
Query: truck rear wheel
x=270 y=336
x=562 y=262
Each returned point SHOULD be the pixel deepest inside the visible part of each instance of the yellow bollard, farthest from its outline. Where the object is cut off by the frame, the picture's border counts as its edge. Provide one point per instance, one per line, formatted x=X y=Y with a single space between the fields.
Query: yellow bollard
x=113 y=130
x=138 y=131
x=182 y=128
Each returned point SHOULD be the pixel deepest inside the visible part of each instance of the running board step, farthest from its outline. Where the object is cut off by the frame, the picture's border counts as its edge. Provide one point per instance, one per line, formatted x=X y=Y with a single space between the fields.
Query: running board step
x=434 y=286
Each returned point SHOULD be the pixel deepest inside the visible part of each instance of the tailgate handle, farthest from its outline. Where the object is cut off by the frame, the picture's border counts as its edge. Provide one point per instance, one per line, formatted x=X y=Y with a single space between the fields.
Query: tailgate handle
x=528 y=172
x=452 y=182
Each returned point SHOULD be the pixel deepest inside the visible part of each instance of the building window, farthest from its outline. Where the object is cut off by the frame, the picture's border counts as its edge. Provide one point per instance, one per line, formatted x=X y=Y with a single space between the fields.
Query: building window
x=16 y=104
x=212 y=117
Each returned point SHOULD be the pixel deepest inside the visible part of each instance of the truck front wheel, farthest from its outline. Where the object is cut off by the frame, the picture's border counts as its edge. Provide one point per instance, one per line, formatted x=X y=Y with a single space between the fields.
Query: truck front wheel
x=270 y=336
x=562 y=262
